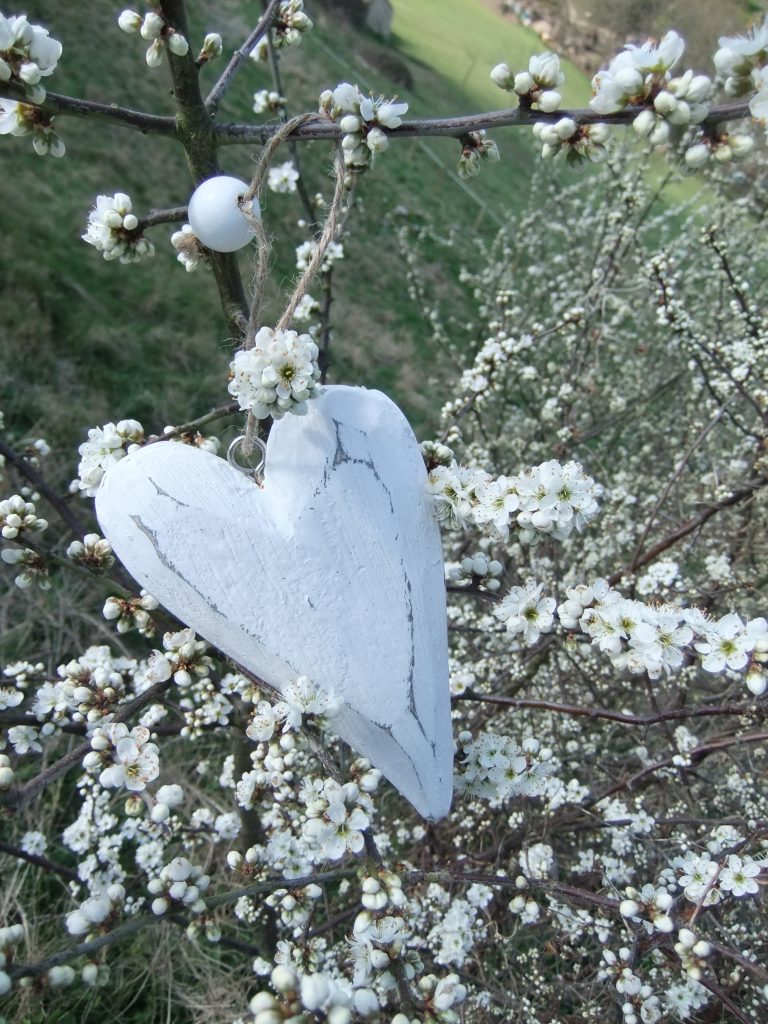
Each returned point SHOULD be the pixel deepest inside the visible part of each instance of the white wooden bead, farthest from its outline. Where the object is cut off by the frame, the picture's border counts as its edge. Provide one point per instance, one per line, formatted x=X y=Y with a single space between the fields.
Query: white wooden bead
x=216 y=218
x=333 y=570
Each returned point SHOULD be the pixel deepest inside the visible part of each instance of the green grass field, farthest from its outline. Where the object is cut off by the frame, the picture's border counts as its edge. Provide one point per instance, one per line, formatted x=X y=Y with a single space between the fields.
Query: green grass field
x=84 y=340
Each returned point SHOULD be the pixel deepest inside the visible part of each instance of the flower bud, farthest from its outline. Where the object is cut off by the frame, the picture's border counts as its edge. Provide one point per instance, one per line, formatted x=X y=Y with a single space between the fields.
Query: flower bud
x=129 y=21
x=152 y=26
x=523 y=83
x=502 y=76
x=549 y=101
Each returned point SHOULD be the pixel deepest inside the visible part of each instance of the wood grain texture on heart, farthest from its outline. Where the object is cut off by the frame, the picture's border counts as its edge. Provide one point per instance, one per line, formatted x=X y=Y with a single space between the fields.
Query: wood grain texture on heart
x=332 y=569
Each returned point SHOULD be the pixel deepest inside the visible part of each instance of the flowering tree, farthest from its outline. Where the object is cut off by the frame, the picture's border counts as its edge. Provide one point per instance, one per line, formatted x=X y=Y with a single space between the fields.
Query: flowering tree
x=599 y=476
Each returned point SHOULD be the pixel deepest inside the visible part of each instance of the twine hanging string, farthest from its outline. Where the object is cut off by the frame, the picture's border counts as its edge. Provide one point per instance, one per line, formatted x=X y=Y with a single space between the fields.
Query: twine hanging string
x=264 y=248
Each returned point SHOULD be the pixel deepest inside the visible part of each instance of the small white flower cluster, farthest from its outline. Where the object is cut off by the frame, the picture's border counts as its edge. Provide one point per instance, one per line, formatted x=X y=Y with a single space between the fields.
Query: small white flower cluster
x=722 y=147
x=335 y=820
x=18 y=517
x=301 y=698
x=267 y=101
x=105 y=446
x=24 y=119
x=94 y=911
x=9 y=937
x=283 y=178
x=741 y=59
x=551 y=499
x=131 y=613
x=295 y=905
x=497 y=767
x=705 y=881
x=90 y=687
x=113 y=230
x=277 y=375
x=480 y=570
x=639 y=1005
x=190 y=252
x=306 y=309
x=476 y=147
x=650 y=906
x=186 y=658
x=537 y=86
x=524 y=611
x=167 y=798
x=362 y=120
x=32 y=566
x=7 y=774
x=305 y=252
x=693 y=953
x=92 y=552
x=289 y=23
x=579 y=142
x=153 y=28
x=132 y=761
x=301 y=994
x=179 y=882
x=655 y=639
x=27 y=54
x=639 y=76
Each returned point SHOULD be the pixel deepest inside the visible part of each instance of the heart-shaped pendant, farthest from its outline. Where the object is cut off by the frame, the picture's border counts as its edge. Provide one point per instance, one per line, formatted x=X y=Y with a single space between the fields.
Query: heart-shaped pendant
x=332 y=569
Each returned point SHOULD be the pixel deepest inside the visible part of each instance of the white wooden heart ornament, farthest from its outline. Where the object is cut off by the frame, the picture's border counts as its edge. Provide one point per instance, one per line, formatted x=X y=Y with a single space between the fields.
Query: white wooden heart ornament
x=333 y=569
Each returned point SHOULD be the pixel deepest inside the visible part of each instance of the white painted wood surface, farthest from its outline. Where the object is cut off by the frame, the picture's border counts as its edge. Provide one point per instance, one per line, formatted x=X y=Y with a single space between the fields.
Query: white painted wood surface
x=333 y=570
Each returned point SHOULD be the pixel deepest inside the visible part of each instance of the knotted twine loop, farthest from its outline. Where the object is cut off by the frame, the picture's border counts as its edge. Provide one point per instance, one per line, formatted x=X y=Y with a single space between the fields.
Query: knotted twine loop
x=264 y=249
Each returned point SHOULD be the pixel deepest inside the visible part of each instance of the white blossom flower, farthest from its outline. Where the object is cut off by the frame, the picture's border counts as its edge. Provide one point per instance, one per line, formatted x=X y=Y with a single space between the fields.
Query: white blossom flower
x=105 y=446
x=524 y=611
x=25 y=119
x=277 y=375
x=738 y=876
x=27 y=54
x=113 y=230
x=283 y=178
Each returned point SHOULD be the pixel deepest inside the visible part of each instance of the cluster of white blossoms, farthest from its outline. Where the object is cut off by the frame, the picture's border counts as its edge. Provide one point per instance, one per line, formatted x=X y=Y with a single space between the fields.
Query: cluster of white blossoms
x=498 y=767
x=278 y=375
x=185 y=658
x=306 y=250
x=19 y=517
x=538 y=85
x=475 y=148
x=92 y=552
x=300 y=996
x=179 y=882
x=88 y=688
x=189 y=250
x=480 y=570
x=25 y=119
x=158 y=33
x=27 y=54
x=283 y=178
x=550 y=499
x=362 y=119
x=289 y=23
x=129 y=613
x=113 y=230
x=335 y=819
x=9 y=938
x=578 y=142
x=526 y=613
x=131 y=759
x=267 y=101
x=301 y=698
x=105 y=446
x=658 y=638
x=94 y=911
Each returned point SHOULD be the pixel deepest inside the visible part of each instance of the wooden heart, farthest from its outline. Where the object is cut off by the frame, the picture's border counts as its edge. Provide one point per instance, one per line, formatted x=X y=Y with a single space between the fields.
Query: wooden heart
x=333 y=569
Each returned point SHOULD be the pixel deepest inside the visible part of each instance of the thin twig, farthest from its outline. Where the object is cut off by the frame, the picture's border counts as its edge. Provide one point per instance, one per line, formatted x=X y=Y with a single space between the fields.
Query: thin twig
x=57 y=104
x=216 y=94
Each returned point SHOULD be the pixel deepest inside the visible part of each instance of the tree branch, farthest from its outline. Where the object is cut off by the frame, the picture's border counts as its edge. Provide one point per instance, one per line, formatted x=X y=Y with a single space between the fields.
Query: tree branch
x=69 y=106
x=577 y=710
x=322 y=127
x=216 y=94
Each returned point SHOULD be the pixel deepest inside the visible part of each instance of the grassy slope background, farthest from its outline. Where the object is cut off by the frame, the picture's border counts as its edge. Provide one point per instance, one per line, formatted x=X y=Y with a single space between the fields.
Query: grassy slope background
x=82 y=340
